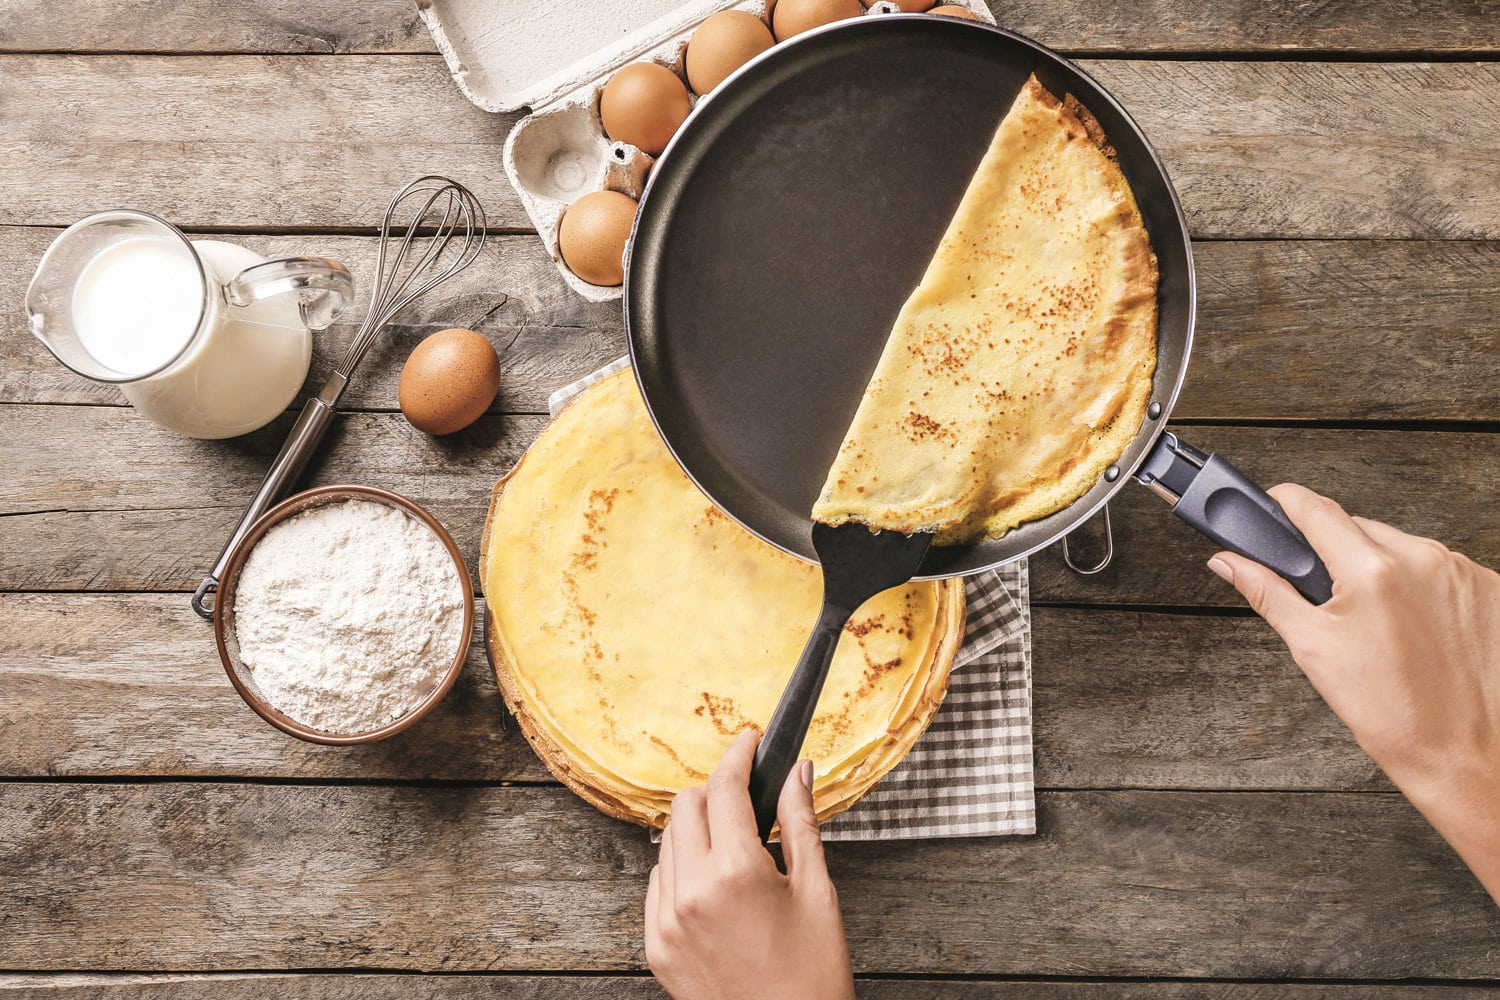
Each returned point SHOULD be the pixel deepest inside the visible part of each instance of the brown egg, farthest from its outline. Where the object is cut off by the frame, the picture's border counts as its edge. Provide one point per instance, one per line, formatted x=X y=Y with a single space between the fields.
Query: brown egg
x=913 y=6
x=722 y=44
x=593 y=234
x=643 y=104
x=448 y=382
x=792 y=17
x=954 y=10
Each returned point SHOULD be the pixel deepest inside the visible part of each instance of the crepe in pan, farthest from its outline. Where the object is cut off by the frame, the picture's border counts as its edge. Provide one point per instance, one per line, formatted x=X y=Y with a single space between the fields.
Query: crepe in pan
x=635 y=628
x=1021 y=366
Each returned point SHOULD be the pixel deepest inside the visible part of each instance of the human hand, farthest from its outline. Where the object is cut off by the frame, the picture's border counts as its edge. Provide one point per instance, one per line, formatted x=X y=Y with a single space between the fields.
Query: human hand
x=722 y=921
x=1407 y=654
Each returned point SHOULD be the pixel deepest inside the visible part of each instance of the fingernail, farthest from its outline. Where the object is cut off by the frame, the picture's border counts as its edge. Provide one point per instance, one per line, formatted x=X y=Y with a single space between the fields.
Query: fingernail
x=1222 y=570
x=805 y=772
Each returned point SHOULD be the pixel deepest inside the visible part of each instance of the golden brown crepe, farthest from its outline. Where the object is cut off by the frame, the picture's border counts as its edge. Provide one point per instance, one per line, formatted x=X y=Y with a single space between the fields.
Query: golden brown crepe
x=1021 y=366
x=635 y=628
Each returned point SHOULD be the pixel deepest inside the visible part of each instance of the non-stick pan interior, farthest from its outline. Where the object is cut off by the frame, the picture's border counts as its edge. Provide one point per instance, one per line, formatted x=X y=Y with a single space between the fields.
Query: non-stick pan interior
x=792 y=216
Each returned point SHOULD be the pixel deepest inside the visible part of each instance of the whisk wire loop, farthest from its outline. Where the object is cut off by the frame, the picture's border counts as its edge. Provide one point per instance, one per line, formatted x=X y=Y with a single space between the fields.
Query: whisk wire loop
x=459 y=225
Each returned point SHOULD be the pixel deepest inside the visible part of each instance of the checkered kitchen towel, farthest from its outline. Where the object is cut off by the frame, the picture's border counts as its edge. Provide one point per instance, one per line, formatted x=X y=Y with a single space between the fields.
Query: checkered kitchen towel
x=970 y=774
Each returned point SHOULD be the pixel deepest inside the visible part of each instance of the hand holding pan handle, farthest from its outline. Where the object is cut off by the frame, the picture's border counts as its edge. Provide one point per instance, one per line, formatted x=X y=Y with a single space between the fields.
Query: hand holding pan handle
x=1216 y=498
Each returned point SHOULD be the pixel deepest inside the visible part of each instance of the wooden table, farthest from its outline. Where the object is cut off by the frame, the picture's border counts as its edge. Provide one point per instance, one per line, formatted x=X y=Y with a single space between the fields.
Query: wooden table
x=1204 y=820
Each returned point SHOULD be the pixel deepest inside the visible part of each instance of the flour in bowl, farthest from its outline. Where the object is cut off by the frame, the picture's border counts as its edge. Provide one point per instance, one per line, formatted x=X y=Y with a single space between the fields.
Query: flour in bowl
x=348 y=615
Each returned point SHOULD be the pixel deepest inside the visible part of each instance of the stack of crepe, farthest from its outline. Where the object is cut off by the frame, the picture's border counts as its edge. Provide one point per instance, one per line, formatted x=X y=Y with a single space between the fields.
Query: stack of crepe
x=635 y=628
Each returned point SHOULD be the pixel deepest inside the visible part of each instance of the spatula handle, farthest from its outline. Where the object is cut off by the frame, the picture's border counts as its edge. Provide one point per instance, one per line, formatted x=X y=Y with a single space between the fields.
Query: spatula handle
x=783 y=738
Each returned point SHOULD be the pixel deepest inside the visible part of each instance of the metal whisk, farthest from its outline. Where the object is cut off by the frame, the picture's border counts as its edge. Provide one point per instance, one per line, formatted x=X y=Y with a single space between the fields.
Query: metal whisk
x=453 y=221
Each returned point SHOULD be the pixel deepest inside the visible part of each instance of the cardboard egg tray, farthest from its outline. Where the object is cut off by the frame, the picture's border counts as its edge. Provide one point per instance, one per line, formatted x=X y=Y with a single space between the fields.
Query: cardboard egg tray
x=554 y=57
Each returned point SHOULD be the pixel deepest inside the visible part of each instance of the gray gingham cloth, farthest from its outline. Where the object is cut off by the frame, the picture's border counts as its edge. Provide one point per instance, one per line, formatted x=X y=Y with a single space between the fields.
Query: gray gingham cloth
x=970 y=774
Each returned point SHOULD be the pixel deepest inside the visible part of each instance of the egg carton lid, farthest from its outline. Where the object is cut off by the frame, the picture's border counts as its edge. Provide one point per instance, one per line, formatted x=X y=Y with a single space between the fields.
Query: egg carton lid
x=506 y=55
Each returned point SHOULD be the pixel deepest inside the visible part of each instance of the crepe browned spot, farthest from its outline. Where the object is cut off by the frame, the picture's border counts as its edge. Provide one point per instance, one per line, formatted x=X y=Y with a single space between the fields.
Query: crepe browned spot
x=1021 y=366
x=635 y=628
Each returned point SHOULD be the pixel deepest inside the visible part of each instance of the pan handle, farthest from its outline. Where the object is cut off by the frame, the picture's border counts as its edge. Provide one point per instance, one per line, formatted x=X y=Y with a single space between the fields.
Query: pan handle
x=782 y=741
x=1218 y=500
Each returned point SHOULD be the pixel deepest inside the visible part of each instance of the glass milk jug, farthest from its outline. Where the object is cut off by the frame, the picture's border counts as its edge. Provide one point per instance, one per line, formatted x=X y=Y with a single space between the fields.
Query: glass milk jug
x=206 y=338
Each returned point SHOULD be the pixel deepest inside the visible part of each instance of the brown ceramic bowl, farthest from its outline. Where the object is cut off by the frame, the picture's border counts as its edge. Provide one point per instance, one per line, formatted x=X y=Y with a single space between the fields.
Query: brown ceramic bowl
x=229 y=653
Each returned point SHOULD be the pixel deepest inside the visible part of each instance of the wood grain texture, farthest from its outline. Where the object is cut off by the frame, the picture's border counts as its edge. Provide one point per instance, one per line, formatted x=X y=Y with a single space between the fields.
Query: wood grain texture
x=1132 y=700
x=1275 y=149
x=97 y=499
x=1257 y=149
x=266 y=26
x=417 y=986
x=240 y=141
x=130 y=685
x=1345 y=330
x=126 y=514
x=182 y=876
x=547 y=336
x=1363 y=291
x=1432 y=484
x=1091 y=25
x=1412 y=321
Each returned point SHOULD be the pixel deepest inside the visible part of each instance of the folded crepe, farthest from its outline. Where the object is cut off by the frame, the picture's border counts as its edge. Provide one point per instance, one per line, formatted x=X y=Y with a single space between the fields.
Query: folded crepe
x=1020 y=367
x=634 y=628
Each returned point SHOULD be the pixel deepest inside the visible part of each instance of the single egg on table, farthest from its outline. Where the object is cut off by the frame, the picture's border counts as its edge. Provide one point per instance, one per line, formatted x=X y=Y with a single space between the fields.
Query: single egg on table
x=792 y=17
x=593 y=234
x=448 y=382
x=722 y=44
x=954 y=10
x=643 y=104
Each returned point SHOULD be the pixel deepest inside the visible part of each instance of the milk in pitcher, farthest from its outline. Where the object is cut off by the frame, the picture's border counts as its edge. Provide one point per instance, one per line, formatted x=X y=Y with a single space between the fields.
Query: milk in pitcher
x=206 y=338
x=243 y=368
x=137 y=304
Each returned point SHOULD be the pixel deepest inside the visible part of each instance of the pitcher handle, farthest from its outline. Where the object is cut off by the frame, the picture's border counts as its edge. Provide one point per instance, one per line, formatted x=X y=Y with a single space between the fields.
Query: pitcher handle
x=324 y=287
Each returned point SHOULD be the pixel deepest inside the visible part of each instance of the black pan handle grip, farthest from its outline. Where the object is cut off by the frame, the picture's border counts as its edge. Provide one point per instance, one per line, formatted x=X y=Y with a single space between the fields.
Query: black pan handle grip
x=783 y=738
x=1222 y=503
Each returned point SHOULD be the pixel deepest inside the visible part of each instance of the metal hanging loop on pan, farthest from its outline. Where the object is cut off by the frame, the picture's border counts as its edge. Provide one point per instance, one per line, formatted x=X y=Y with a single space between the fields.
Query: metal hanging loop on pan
x=1109 y=549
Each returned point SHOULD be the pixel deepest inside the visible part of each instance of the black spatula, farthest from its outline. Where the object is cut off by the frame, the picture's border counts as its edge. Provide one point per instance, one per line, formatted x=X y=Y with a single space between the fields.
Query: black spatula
x=857 y=564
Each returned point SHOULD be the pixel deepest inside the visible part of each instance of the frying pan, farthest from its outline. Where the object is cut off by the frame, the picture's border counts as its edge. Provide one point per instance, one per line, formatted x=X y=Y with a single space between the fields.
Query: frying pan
x=787 y=222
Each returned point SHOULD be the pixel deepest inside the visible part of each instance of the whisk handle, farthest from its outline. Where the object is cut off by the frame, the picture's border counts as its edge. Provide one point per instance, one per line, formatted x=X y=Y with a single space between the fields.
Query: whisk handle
x=312 y=423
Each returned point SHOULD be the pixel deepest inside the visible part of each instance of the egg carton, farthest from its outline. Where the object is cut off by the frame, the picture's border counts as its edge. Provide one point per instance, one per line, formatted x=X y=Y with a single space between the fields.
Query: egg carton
x=554 y=57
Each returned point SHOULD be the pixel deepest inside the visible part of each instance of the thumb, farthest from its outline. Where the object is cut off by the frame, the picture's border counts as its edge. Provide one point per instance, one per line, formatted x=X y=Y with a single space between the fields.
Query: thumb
x=1267 y=593
x=801 y=844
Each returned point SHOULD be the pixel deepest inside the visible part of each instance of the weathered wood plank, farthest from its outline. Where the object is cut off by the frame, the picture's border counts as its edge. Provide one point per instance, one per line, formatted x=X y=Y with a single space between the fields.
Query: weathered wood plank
x=104 y=460
x=1388 y=330
x=1321 y=149
x=99 y=500
x=267 y=26
x=1258 y=149
x=1091 y=25
x=547 y=335
x=240 y=141
x=1434 y=484
x=1122 y=700
x=131 y=685
x=417 y=986
x=187 y=876
x=1345 y=330
x=1130 y=700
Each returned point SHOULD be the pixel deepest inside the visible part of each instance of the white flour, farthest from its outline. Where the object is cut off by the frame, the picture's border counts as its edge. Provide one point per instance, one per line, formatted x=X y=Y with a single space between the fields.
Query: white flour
x=348 y=615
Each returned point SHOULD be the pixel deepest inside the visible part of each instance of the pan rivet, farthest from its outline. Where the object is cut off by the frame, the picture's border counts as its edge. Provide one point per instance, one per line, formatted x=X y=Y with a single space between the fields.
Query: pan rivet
x=1112 y=473
x=1153 y=411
